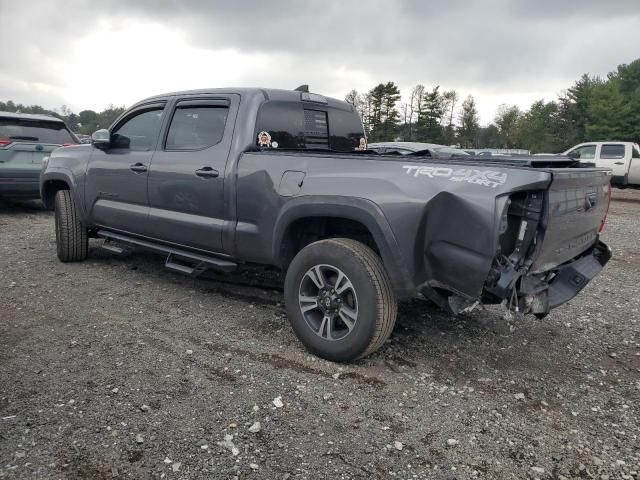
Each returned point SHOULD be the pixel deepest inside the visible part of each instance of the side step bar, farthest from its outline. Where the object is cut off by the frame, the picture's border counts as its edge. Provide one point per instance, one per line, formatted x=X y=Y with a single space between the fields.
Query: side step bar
x=117 y=248
x=177 y=260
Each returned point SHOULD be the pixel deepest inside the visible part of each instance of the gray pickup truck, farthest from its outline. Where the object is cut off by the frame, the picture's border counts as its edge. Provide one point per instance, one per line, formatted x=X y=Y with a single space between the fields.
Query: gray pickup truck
x=216 y=179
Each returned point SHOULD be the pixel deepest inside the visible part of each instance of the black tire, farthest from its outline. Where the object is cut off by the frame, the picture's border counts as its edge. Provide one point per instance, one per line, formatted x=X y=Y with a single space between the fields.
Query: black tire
x=71 y=236
x=369 y=295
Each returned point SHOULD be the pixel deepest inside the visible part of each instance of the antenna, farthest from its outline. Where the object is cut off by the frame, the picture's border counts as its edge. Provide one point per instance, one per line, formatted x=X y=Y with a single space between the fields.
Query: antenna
x=302 y=88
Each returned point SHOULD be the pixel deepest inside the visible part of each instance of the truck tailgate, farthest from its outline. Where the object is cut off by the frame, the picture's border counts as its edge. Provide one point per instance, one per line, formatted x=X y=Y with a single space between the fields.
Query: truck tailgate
x=576 y=204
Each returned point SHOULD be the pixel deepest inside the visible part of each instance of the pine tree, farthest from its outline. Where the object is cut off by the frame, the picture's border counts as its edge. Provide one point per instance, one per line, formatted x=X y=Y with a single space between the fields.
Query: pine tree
x=429 y=128
x=383 y=115
x=608 y=110
x=469 y=124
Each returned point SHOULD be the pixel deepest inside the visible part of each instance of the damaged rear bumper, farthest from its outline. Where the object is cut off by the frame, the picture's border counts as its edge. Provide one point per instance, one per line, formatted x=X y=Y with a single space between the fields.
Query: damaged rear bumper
x=531 y=293
x=542 y=292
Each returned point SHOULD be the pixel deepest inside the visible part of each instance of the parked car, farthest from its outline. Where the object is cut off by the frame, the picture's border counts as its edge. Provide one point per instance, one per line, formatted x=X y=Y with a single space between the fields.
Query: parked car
x=224 y=177
x=24 y=140
x=405 y=148
x=623 y=158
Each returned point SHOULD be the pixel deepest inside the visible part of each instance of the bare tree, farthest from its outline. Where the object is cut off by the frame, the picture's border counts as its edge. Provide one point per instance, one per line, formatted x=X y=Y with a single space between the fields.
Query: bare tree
x=415 y=108
x=450 y=100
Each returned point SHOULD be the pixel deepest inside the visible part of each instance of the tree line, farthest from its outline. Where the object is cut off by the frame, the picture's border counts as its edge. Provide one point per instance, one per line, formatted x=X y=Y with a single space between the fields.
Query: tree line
x=592 y=109
x=86 y=122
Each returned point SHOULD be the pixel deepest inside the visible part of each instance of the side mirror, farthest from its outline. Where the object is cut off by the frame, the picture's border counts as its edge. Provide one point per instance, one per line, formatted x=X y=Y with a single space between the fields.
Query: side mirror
x=574 y=154
x=101 y=138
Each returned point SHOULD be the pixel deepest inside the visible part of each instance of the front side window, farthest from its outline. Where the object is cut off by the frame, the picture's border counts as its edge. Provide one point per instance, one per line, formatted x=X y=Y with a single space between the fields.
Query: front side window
x=636 y=151
x=588 y=152
x=612 y=151
x=194 y=128
x=139 y=132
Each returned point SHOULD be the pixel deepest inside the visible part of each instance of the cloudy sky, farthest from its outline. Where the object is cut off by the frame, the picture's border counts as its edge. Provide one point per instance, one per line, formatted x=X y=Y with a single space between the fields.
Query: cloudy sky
x=88 y=54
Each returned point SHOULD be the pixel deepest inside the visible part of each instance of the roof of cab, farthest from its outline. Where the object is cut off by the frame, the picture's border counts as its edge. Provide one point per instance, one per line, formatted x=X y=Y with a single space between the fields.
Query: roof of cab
x=266 y=93
x=30 y=116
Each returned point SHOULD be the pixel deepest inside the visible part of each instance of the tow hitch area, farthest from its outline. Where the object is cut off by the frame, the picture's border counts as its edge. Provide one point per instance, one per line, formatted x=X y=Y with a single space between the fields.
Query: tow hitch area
x=566 y=282
x=539 y=293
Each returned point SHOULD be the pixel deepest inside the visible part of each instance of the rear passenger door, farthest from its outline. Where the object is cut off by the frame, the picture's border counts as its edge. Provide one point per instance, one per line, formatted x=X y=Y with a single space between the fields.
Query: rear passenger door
x=187 y=175
x=613 y=156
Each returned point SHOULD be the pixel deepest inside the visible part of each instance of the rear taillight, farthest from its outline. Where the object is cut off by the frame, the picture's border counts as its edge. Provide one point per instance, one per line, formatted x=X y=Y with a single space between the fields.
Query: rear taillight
x=69 y=144
x=604 y=219
x=4 y=142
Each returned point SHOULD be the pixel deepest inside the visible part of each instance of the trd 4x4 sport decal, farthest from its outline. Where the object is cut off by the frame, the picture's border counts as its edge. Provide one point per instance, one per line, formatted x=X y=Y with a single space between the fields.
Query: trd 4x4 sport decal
x=487 y=178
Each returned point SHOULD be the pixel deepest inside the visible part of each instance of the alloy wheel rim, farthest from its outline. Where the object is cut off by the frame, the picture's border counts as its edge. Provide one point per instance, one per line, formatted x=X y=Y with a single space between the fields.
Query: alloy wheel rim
x=328 y=302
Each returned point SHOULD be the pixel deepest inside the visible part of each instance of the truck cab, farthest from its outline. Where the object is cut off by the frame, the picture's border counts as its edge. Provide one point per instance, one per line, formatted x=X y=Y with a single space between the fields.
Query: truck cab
x=623 y=158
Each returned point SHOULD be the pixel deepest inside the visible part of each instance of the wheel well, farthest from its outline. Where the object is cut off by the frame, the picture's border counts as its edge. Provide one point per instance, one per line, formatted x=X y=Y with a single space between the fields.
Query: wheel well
x=51 y=187
x=307 y=230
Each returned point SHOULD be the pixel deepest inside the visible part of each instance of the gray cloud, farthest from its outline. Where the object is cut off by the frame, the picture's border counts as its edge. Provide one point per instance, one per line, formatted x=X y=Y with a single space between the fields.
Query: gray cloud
x=491 y=48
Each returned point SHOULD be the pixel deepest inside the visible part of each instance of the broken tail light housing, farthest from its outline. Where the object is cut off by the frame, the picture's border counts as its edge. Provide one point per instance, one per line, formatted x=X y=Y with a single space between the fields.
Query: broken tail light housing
x=604 y=219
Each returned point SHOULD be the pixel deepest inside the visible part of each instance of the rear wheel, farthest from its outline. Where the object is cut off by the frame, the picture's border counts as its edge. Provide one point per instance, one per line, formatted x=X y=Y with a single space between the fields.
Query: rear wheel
x=71 y=237
x=339 y=299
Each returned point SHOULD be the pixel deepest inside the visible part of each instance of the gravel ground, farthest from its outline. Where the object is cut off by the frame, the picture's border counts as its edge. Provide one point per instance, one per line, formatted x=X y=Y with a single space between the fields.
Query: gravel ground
x=116 y=368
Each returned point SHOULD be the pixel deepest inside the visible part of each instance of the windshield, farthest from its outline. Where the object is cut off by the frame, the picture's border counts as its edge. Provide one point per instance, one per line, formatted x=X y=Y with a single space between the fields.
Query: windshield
x=20 y=130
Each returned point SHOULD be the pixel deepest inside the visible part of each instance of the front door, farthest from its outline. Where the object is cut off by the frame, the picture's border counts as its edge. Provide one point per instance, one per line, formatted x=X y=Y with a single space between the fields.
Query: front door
x=116 y=183
x=187 y=174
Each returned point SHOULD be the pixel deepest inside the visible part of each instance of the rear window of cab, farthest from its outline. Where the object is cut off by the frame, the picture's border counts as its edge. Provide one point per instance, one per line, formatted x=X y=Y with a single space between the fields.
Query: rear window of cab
x=298 y=125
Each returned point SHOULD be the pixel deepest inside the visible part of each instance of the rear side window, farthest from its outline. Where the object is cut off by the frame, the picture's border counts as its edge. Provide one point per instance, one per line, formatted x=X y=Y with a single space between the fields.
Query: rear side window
x=612 y=151
x=284 y=121
x=194 y=128
x=19 y=130
x=299 y=125
x=636 y=151
x=345 y=129
x=139 y=132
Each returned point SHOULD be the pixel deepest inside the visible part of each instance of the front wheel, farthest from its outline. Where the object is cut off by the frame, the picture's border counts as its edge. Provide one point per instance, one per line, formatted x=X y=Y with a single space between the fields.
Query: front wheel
x=339 y=299
x=71 y=237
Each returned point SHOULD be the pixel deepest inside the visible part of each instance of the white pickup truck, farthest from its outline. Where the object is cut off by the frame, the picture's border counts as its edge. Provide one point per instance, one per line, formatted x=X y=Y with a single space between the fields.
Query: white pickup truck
x=623 y=158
